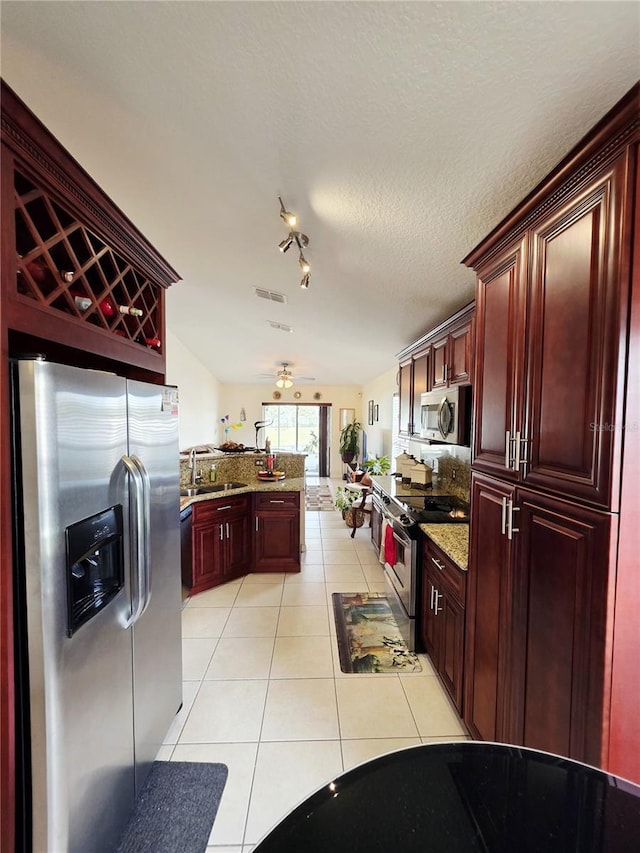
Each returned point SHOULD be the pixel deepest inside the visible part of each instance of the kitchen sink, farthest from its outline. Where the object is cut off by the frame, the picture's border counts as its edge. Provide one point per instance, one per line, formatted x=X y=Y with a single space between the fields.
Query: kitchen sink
x=206 y=490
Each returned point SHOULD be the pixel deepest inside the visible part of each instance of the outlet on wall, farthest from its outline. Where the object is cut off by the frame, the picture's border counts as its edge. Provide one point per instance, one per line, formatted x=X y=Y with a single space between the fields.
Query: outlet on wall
x=454 y=473
x=259 y=463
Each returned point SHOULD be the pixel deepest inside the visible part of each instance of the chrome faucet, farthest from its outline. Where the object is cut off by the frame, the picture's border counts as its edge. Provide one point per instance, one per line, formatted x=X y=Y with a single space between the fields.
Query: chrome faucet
x=194 y=468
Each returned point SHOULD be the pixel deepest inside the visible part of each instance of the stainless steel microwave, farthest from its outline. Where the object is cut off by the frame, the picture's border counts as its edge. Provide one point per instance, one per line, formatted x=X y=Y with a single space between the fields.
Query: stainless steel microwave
x=444 y=415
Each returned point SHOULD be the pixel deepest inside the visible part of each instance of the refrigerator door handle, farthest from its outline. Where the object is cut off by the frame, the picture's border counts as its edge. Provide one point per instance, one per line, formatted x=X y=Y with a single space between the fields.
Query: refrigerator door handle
x=137 y=541
x=146 y=526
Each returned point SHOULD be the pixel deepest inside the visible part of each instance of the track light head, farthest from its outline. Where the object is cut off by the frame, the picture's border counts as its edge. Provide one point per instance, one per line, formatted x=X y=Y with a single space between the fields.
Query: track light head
x=290 y=218
x=304 y=284
x=286 y=244
x=304 y=264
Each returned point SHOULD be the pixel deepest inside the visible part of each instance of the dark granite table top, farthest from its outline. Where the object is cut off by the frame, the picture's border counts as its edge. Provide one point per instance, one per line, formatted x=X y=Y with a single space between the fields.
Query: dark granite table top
x=463 y=797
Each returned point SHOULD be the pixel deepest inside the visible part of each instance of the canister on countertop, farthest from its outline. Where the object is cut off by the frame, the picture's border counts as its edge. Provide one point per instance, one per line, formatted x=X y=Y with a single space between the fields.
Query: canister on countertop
x=421 y=476
x=400 y=460
x=405 y=469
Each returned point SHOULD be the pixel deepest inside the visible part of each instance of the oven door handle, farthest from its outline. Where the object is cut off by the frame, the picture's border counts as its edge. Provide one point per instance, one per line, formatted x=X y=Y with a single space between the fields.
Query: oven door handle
x=400 y=540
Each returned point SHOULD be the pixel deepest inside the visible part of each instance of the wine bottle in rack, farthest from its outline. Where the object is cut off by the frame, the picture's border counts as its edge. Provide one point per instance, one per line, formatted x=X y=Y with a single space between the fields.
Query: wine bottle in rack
x=153 y=343
x=83 y=302
x=111 y=309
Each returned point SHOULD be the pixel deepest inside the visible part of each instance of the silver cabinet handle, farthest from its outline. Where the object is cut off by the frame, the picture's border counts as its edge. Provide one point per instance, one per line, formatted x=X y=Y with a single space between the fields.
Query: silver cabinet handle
x=508 y=458
x=276 y=502
x=227 y=526
x=433 y=589
x=522 y=454
x=438 y=564
x=220 y=508
x=516 y=458
x=510 y=528
x=137 y=552
x=436 y=603
x=221 y=532
x=503 y=526
x=257 y=525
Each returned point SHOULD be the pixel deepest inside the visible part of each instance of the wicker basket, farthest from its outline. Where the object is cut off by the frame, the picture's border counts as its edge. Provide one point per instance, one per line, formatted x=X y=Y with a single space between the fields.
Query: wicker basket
x=348 y=517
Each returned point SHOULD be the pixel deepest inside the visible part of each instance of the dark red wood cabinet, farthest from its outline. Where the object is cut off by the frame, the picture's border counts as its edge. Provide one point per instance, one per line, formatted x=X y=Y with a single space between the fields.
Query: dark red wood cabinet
x=489 y=613
x=552 y=381
x=276 y=532
x=442 y=623
x=441 y=358
x=220 y=542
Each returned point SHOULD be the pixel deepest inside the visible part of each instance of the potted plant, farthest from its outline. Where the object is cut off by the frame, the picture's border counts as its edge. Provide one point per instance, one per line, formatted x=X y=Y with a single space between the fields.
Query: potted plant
x=349 y=445
x=344 y=501
x=378 y=465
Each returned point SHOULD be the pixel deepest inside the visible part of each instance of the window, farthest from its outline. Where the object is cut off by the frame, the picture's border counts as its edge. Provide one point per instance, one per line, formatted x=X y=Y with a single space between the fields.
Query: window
x=296 y=429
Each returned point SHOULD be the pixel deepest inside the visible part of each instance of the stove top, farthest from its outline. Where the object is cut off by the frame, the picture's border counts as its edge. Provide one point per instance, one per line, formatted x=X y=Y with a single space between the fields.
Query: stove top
x=435 y=509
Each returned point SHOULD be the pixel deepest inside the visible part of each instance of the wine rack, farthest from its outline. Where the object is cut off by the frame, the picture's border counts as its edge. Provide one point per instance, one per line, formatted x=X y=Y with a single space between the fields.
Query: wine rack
x=62 y=265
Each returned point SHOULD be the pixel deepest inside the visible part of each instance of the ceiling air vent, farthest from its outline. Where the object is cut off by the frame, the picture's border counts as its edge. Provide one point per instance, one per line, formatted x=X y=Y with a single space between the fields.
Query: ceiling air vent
x=271 y=295
x=282 y=326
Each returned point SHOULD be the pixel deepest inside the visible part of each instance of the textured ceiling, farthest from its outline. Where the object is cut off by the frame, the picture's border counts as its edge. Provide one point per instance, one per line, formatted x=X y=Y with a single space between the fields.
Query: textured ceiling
x=400 y=133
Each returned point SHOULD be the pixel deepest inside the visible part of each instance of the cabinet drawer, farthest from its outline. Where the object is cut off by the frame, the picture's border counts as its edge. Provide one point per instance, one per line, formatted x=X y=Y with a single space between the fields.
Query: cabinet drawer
x=209 y=510
x=276 y=500
x=448 y=574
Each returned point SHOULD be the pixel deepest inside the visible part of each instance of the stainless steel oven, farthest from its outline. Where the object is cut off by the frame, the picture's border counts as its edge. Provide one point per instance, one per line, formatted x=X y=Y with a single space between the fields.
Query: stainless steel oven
x=399 y=545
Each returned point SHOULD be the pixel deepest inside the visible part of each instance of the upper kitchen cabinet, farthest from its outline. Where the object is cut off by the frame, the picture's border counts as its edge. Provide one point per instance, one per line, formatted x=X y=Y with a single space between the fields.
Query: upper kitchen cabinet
x=451 y=357
x=552 y=302
x=443 y=356
x=80 y=283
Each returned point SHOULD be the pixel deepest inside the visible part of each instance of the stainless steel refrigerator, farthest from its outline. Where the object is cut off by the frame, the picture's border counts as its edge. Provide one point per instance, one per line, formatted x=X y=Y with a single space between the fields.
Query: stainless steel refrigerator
x=98 y=596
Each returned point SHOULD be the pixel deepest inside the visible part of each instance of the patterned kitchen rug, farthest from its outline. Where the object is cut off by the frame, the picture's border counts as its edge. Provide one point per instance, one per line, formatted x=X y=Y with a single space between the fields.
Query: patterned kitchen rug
x=318 y=498
x=368 y=636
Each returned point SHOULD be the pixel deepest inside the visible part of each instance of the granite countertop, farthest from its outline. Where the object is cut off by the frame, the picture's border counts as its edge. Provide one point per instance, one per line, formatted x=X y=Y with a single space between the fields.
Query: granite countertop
x=453 y=539
x=293 y=484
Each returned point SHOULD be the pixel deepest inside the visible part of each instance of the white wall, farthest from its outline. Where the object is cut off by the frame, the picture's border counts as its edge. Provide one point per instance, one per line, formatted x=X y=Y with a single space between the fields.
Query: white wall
x=198 y=394
x=381 y=391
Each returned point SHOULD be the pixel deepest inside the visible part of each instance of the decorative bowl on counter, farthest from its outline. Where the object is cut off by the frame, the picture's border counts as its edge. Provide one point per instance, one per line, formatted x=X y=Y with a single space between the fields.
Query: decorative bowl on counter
x=271 y=475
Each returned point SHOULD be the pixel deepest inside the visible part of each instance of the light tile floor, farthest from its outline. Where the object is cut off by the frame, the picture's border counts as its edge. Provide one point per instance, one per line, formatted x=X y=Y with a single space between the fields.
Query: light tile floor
x=264 y=693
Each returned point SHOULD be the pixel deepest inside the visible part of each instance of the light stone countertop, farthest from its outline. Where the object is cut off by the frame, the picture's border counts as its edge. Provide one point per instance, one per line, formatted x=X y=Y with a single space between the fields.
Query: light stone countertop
x=453 y=539
x=293 y=484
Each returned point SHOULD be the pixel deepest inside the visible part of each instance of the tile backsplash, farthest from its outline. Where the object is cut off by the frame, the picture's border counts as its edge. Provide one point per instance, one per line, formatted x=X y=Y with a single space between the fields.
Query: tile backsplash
x=451 y=465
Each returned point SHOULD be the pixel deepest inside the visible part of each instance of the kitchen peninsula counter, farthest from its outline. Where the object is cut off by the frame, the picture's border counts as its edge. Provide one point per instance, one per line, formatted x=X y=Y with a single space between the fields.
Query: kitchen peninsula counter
x=294 y=484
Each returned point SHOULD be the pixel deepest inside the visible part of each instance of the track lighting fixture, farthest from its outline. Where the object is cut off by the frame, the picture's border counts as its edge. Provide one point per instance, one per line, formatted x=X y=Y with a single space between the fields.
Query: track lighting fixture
x=301 y=241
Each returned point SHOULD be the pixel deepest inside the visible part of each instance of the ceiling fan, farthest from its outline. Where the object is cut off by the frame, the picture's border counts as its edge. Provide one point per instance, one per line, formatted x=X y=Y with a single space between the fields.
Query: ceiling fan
x=284 y=377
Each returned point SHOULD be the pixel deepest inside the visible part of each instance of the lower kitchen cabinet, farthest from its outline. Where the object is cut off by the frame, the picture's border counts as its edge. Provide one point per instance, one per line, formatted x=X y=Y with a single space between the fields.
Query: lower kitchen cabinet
x=537 y=631
x=489 y=612
x=443 y=606
x=220 y=542
x=276 y=532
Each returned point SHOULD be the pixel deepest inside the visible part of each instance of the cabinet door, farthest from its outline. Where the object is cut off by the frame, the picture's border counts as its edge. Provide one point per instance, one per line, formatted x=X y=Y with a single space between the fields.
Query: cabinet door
x=450 y=657
x=488 y=612
x=460 y=359
x=560 y=626
x=277 y=532
x=237 y=546
x=429 y=623
x=439 y=363
x=421 y=364
x=405 y=384
x=577 y=282
x=208 y=555
x=499 y=333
